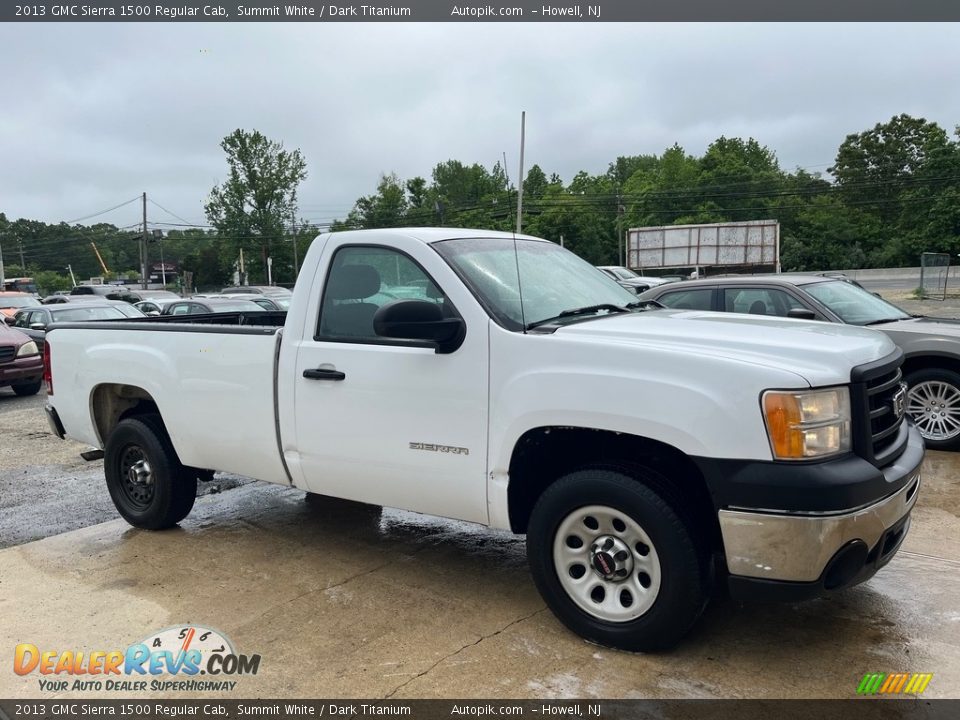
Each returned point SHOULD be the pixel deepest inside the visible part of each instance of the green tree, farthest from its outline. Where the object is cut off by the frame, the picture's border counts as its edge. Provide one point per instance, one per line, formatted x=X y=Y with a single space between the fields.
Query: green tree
x=385 y=208
x=536 y=183
x=623 y=168
x=416 y=193
x=875 y=167
x=827 y=235
x=252 y=207
x=49 y=282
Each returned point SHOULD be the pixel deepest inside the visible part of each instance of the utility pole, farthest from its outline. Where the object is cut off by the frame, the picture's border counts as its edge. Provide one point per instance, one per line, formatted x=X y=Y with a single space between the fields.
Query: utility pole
x=73 y=280
x=143 y=247
x=523 y=130
x=163 y=264
x=621 y=244
x=296 y=262
x=3 y=280
x=23 y=265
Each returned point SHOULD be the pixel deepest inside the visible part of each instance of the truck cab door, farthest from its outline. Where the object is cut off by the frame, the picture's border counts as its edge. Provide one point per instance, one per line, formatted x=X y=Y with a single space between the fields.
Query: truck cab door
x=389 y=421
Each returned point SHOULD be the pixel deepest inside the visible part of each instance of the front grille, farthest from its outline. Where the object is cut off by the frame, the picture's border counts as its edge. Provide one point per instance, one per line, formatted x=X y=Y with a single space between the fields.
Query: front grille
x=877 y=401
x=7 y=353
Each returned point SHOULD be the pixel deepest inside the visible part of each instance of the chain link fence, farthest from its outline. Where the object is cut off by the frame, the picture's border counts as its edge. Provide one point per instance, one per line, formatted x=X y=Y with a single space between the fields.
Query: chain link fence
x=934 y=272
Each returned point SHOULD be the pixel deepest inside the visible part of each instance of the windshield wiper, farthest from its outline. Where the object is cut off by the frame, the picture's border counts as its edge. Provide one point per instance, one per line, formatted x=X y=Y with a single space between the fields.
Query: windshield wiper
x=592 y=309
x=579 y=311
x=644 y=304
x=883 y=320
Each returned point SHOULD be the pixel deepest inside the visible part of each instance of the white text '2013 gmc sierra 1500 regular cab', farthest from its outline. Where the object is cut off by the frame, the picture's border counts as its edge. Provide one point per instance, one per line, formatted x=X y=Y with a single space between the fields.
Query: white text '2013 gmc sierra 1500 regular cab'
x=499 y=379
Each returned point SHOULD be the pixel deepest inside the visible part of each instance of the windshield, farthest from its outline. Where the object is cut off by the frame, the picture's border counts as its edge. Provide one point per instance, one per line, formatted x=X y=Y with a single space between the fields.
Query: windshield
x=129 y=310
x=552 y=280
x=624 y=274
x=82 y=314
x=18 y=302
x=853 y=304
x=237 y=306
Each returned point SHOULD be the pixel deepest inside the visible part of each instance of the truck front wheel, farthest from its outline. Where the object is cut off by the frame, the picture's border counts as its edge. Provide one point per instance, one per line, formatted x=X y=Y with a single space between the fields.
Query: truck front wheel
x=615 y=561
x=148 y=485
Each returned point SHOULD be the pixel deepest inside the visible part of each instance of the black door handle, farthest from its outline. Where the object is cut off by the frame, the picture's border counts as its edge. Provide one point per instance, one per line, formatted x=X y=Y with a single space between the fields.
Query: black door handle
x=323 y=374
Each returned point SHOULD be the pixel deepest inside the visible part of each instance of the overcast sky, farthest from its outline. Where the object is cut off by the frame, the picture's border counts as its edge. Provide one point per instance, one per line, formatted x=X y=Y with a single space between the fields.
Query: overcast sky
x=92 y=115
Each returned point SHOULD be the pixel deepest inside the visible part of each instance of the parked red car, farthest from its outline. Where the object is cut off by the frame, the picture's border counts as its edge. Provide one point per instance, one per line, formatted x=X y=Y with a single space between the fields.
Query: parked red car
x=21 y=366
x=11 y=302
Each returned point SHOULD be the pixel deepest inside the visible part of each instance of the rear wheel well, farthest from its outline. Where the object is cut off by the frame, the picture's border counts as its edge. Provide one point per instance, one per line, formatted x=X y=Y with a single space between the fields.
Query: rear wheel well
x=544 y=455
x=112 y=402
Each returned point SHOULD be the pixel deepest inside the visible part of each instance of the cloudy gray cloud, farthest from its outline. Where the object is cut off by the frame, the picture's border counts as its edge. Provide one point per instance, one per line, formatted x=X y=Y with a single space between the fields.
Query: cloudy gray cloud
x=94 y=114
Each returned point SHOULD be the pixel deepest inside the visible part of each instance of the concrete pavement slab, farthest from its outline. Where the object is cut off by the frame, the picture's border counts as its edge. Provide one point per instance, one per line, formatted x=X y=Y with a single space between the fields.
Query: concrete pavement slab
x=344 y=601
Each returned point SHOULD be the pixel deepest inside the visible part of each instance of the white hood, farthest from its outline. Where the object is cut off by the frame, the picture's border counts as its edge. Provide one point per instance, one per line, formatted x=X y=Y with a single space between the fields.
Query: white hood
x=821 y=353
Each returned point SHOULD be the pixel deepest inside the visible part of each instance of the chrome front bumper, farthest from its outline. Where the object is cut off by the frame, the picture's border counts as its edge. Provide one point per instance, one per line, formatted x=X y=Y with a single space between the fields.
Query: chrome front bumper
x=799 y=547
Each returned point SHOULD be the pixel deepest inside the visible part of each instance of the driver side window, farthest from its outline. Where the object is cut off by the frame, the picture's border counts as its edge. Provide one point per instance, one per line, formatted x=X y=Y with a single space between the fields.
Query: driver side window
x=361 y=280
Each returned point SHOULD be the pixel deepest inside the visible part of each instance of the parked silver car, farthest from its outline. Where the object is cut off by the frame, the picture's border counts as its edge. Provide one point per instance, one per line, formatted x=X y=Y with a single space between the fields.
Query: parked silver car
x=630 y=280
x=34 y=321
x=931 y=346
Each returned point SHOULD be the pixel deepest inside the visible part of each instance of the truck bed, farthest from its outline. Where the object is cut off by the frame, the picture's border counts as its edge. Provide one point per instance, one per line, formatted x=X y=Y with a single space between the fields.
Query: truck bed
x=211 y=377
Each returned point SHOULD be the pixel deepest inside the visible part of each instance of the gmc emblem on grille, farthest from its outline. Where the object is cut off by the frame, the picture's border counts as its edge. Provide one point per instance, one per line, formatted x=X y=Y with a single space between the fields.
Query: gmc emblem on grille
x=899 y=398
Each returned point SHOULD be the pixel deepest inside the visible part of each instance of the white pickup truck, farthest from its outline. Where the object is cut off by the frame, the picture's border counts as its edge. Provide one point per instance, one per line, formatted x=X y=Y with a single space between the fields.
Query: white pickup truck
x=645 y=453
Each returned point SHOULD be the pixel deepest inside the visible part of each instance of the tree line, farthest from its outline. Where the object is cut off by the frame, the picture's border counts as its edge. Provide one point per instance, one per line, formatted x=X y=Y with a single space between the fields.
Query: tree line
x=892 y=193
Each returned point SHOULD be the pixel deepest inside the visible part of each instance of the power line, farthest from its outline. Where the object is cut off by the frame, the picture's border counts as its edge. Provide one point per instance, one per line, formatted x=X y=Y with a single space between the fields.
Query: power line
x=103 y=212
x=168 y=212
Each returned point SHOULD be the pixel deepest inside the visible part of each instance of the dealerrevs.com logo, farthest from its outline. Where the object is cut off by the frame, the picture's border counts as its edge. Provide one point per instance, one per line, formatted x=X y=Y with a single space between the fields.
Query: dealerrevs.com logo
x=186 y=657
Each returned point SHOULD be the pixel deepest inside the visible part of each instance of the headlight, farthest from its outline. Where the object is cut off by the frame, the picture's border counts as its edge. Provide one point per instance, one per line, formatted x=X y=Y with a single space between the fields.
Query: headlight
x=807 y=424
x=28 y=348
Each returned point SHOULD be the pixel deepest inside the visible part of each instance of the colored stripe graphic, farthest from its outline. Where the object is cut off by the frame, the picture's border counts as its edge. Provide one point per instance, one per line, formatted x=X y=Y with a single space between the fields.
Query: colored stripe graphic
x=894 y=683
x=870 y=683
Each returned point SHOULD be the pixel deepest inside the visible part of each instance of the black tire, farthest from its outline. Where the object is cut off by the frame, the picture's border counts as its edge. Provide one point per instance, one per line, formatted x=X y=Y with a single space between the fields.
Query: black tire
x=23 y=389
x=166 y=494
x=683 y=559
x=921 y=386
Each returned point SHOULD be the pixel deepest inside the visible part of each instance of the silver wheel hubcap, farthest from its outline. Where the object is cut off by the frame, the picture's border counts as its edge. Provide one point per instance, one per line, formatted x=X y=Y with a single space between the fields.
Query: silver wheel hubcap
x=606 y=563
x=140 y=473
x=935 y=408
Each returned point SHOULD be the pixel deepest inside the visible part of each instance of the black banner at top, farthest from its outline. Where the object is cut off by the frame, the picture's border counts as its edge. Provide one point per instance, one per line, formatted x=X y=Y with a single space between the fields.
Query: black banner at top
x=530 y=11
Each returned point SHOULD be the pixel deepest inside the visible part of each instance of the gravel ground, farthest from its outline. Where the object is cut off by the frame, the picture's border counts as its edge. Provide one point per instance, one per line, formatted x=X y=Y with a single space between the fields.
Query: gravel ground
x=46 y=488
x=949 y=308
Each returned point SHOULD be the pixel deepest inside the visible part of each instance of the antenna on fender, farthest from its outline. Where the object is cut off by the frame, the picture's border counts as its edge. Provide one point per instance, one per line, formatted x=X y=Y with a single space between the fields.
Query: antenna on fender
x=516 y=254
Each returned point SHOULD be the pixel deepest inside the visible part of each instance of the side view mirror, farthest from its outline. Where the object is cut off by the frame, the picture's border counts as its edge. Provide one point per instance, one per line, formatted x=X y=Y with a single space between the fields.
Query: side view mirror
x=38 y=326
x=801 y=314
x=8 y=320
x=419 y=320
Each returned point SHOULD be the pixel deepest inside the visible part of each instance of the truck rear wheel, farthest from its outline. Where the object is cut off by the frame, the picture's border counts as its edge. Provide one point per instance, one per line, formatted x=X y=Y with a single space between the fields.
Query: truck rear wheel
x=148 y=485
x=615 y=561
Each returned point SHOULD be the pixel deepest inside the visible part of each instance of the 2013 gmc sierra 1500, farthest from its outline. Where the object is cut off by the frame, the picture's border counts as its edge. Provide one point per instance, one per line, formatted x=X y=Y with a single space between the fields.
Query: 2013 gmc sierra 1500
x=500 y=379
